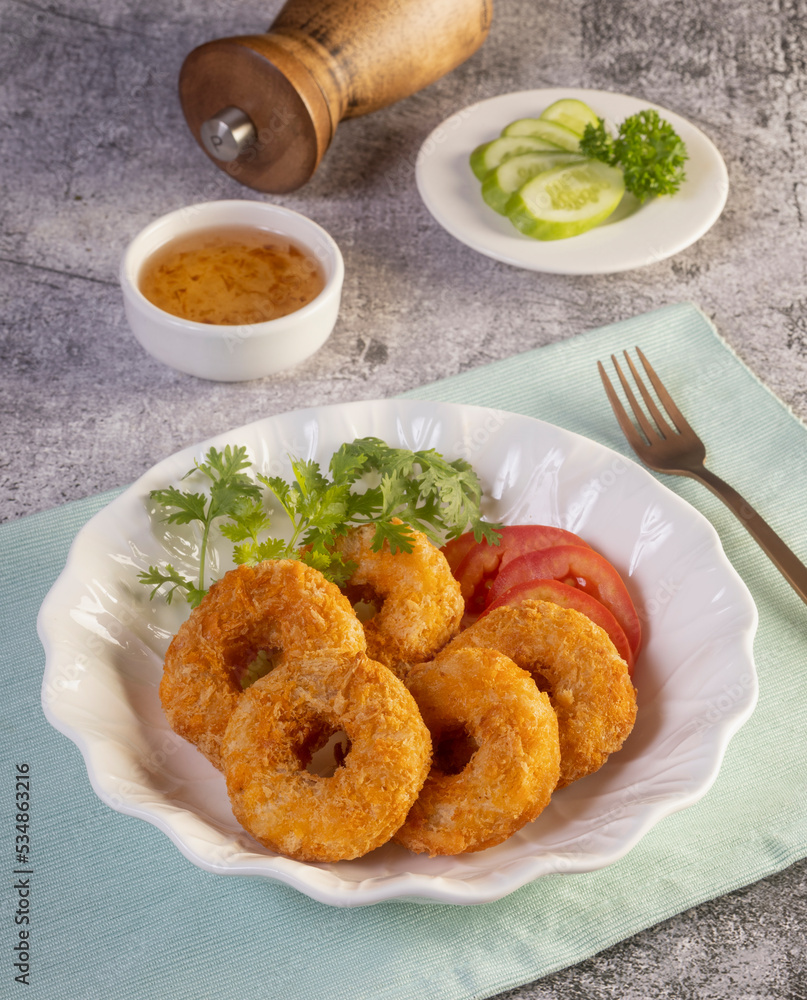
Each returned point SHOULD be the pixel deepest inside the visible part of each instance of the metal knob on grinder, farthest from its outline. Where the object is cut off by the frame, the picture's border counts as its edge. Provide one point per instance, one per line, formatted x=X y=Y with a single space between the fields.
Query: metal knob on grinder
x=265 y=107
x=227 y=135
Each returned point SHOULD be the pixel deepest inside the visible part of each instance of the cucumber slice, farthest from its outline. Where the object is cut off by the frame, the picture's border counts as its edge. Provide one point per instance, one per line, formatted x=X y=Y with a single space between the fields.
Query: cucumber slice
x=517 y=170
x=566 y=201
x=550 y=131
x=571 y=114
x=489 y=155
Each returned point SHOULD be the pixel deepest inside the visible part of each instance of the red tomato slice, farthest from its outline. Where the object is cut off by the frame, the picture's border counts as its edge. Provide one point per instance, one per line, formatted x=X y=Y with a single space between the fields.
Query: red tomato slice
x=458 y=548
x=569 y=597
x=578 y=567
x=481 y=563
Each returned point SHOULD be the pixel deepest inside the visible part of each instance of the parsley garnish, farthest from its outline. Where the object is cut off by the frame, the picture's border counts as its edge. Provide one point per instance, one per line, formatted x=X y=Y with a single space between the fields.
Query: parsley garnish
x=368 y=482
x=647 y=149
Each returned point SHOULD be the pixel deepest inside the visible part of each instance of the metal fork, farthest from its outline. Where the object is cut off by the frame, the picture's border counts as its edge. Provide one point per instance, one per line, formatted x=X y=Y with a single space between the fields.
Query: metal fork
x=678 y=451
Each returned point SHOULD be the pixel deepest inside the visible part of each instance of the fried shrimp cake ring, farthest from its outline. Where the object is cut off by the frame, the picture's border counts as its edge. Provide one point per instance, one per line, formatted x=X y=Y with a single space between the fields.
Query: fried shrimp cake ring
x=280 y=722
x=477 y=702
x=415 y=601
x=280 y=608
x=575 y=662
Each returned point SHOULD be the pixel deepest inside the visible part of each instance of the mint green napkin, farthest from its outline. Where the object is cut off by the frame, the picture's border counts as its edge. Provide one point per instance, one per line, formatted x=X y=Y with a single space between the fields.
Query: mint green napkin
x=116 y=911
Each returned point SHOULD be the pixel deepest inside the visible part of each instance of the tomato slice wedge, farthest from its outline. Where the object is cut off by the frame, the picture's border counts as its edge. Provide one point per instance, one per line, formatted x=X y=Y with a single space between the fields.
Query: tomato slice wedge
x=569 y=597
x=458 y=548
x=481 y=562
x=579 y=567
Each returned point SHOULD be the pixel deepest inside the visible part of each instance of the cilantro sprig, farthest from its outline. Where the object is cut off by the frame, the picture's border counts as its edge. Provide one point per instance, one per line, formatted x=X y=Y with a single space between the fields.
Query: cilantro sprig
x=231 y=493
x=420 y=488
x=367 y=482
x=647 y=149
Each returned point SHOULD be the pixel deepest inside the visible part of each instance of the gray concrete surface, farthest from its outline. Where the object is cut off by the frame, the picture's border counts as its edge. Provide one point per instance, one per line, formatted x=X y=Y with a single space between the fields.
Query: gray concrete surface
x=94 y=146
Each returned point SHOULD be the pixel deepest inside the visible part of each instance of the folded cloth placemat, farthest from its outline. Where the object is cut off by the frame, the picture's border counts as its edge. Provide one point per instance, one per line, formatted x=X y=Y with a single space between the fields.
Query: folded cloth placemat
x=114 y=910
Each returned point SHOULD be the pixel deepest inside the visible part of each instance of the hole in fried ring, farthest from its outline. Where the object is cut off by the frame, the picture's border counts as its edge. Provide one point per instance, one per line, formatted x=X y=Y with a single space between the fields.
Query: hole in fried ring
x=311 y=817
x=453 y=749
x=510 y=776
x=366 y=601
x=329 y=754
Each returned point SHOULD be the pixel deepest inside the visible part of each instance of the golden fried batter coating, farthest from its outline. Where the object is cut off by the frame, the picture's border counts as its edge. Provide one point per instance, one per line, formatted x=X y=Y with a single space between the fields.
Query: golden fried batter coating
x=281 y=608
x=416 y=601
x=575 y=662
x=284 y=717
x=496 y=753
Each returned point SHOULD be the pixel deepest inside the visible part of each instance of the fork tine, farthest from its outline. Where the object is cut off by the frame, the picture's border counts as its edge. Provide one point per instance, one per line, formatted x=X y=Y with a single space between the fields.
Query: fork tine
x=650 y=432
x=624 y=421
x=656 y=413
x=672 y=410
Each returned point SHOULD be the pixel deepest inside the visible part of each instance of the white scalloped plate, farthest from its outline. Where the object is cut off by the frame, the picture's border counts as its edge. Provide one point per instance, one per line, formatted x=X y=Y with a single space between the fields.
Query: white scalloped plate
x=634 y=236
x=105 y=642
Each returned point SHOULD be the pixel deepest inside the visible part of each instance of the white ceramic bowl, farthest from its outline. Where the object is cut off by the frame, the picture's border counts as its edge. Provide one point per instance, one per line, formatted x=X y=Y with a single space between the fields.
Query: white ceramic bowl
x=233 y=353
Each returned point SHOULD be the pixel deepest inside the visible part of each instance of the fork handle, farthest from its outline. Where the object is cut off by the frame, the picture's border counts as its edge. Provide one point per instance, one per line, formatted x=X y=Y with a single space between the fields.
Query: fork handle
x=785 y=560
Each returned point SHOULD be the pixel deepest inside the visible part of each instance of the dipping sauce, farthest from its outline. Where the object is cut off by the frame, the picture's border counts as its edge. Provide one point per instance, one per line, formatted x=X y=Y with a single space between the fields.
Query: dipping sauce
x=233 y=275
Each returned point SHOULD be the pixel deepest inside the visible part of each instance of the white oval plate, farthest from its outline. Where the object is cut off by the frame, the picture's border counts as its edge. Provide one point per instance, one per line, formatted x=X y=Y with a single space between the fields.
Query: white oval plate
x=105 y=642
x=634 y=236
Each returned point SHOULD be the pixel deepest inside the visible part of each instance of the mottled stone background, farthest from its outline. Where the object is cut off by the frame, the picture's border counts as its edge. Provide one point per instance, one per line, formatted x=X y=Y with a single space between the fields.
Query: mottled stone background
x=94 y=146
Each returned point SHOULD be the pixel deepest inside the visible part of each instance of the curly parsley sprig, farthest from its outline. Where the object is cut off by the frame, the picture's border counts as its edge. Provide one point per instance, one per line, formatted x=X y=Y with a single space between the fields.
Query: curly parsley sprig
x=647 y=149
x=368 y=482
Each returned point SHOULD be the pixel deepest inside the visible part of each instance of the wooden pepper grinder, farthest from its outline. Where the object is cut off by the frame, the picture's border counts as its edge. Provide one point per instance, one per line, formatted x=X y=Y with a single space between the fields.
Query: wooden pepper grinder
x=265 y=107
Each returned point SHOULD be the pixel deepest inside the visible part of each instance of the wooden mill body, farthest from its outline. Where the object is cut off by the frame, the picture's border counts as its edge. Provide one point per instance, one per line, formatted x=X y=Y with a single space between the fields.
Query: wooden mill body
x=319 y=62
